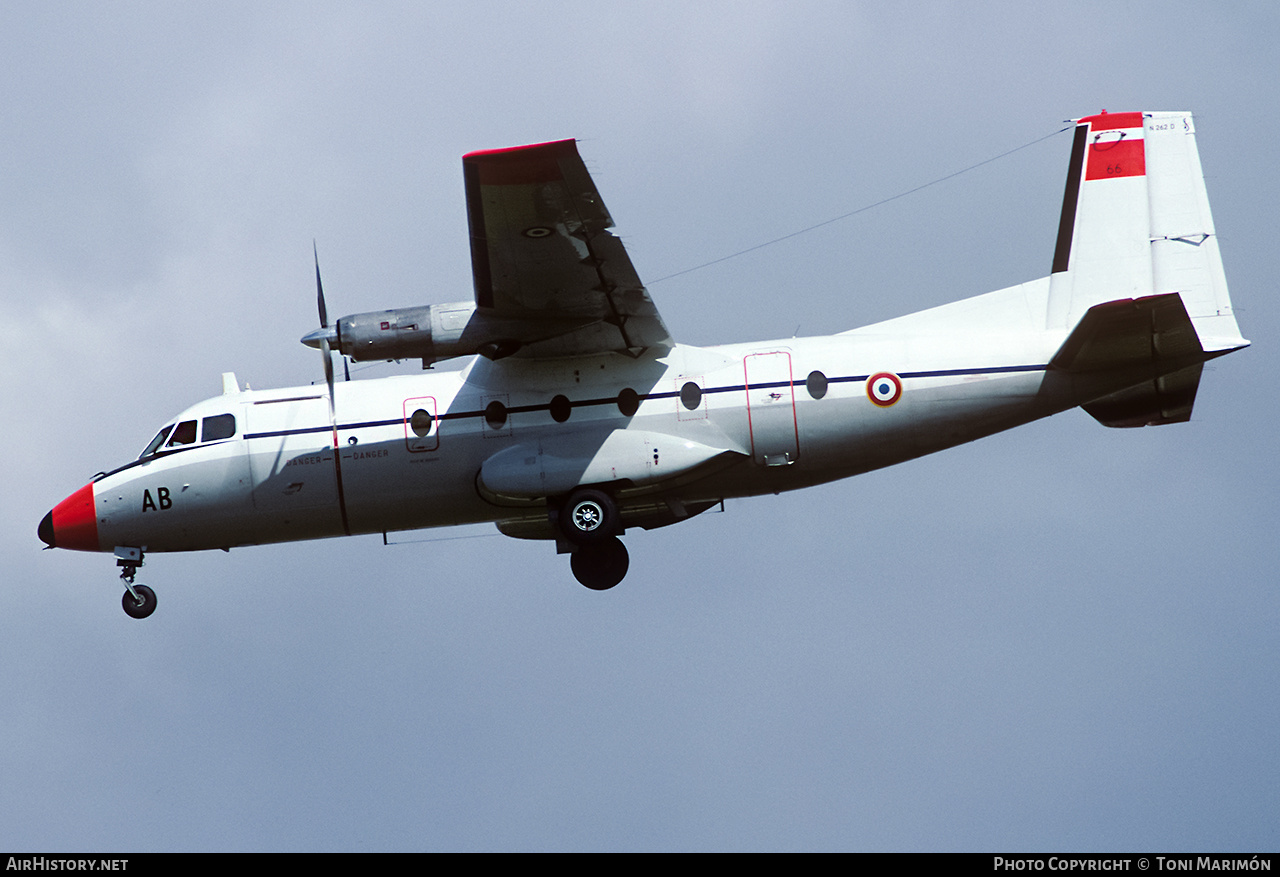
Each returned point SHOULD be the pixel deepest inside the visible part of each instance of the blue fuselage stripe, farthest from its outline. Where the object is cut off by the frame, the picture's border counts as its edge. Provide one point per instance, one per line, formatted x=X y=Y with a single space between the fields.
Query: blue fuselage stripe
x=674 y=394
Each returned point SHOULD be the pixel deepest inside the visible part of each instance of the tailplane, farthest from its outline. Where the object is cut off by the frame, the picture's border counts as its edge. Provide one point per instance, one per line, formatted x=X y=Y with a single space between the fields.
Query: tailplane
x=1146 y=345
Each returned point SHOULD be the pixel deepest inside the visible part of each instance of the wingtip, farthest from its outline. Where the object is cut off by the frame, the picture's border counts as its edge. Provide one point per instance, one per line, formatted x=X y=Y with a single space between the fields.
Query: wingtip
x=555 y=146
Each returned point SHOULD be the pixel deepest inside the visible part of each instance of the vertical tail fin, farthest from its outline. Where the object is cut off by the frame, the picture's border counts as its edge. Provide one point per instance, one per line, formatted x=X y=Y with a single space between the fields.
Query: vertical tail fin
x=1136 y=222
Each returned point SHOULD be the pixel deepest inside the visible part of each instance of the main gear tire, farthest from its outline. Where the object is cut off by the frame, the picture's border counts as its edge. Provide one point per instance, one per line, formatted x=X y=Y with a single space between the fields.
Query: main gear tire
x=600 y=567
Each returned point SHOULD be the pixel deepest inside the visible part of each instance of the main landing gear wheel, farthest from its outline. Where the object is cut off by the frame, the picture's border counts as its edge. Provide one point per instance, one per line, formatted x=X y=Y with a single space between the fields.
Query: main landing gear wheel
x=600 y=566
x=589 y=517
x=141 y=606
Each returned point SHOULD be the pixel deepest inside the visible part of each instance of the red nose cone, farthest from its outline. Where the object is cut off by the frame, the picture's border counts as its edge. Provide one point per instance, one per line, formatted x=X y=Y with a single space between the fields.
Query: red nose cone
x=72 y=523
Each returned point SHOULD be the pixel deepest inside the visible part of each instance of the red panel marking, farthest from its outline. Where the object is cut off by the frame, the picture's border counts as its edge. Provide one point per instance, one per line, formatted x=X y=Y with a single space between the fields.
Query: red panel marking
x=517 y=165
x=1111 y=121
x=1116 y=158
x=75 y=524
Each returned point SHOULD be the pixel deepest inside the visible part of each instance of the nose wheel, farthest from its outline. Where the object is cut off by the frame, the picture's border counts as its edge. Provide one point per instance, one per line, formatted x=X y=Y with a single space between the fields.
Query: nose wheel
x=138 y=601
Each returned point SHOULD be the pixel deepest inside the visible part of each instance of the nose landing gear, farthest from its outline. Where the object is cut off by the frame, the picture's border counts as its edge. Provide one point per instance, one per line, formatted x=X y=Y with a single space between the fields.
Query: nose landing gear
x=138 y=601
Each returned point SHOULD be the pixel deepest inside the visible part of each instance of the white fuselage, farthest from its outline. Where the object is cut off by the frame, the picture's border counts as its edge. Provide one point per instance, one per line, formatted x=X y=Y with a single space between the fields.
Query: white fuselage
x=780 y=415
x=582 y=418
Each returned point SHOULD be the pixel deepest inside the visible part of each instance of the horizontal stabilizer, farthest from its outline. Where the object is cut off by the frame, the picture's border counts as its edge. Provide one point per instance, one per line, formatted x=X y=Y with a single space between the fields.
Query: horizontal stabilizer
x=1150 y=339
x=1167 y=399
x=1129 y=332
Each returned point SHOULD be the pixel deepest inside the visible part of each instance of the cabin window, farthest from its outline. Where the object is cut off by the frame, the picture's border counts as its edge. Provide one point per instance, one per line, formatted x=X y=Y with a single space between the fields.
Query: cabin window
x=183 y=434
x=628 y=402
x=156 y=442
x=495 y=414
x=690 y=395
x=420 y=422
x=816 y=384
x=220 y=426
x=560 y=409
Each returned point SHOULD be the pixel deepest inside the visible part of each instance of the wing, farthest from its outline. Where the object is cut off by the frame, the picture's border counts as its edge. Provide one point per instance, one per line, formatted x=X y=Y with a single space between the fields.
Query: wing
x=541 y=254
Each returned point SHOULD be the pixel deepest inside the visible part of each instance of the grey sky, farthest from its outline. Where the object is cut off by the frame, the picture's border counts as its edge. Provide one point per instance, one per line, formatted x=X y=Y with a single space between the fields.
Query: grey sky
x=1062 y=637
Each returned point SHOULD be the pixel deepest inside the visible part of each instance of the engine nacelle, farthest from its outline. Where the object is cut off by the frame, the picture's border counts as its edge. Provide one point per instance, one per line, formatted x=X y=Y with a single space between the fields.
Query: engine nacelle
x=428 y=332
x=435 y=332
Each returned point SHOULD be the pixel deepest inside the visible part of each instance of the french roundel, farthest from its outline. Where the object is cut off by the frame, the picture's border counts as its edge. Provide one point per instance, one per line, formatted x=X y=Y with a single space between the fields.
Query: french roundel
x=884 y=389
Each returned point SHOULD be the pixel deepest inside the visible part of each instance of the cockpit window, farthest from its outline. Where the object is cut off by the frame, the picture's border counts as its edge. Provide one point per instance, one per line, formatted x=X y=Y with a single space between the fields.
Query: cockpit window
x=221 y=426
x=216 y=428
x=156 y=442
x=183 y=434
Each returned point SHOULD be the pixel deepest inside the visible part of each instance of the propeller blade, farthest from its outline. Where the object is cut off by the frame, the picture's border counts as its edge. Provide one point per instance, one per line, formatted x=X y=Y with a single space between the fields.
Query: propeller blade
x=322 y=338
x=333 y=410
x=333 y=425
x=326 y=336
x=328 y=371
x=324 y=315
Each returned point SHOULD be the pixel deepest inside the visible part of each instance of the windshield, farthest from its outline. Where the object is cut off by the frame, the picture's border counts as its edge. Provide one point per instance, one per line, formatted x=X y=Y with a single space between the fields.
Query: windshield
x=183 y=434
x=156 y=442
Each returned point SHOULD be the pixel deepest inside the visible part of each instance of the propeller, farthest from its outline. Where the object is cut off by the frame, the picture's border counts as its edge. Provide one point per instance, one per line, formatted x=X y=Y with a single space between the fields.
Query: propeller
x=325 y=335
x=325 y=338
x=322 y=338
